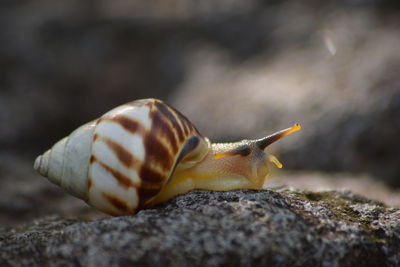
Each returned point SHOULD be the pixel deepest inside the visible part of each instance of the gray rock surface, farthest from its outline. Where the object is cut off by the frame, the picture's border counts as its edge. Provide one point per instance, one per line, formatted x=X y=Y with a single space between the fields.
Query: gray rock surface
x=279 y=227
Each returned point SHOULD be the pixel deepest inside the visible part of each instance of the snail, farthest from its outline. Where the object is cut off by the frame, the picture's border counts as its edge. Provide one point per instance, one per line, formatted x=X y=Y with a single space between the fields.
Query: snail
x=145 y=152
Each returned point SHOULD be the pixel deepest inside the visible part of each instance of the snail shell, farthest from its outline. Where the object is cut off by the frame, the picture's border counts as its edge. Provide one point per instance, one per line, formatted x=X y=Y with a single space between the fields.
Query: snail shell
x=145 y=152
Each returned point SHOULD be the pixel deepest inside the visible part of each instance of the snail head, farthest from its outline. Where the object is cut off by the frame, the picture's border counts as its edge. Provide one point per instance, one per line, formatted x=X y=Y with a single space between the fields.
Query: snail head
x=227 y=166
x=252 y=154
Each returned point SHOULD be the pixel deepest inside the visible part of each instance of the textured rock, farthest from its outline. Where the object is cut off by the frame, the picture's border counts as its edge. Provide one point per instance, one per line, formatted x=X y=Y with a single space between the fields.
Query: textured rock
x=238 y=228
x=363 y=185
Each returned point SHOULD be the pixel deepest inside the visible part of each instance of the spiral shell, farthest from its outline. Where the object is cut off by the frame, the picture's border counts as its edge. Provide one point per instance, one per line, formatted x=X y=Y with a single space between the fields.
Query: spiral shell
x=120 y=162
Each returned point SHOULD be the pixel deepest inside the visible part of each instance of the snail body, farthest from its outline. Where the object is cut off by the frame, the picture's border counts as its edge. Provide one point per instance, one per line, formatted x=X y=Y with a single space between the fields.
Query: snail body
x=145 y=152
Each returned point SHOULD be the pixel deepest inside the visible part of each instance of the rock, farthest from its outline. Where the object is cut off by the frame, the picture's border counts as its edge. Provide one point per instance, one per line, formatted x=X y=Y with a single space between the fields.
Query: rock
x=279 y=227
x=363 y=185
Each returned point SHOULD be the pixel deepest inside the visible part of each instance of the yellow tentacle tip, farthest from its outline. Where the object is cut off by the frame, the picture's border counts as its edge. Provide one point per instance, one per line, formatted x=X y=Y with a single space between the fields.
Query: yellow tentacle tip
x=274 y=160
x=293 y=129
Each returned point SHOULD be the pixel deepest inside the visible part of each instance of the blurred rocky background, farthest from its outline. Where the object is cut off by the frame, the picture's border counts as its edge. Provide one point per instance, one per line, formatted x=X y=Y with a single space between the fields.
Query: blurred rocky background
x=237 y=69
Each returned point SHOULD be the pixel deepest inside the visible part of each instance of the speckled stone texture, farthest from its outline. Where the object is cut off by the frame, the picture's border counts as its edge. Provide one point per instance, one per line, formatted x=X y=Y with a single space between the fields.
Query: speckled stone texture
x=278 y=227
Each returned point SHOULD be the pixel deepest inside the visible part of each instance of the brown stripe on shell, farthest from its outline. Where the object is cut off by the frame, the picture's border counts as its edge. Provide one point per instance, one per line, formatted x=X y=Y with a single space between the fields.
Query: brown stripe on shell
x=186 y=124
x=89 y=183
x=170 y=130
x=123 y=155
x=127 y=123
x=151 y=183
x=163 y=128
x=170 y=117
x=193 y=130
x=92 y=159
x=156 y=152
x=180 y=120
x=122 y=179
x=151 y=176
x=95 y=137
x=116 y=202
x=164 y=123
x=145 y=195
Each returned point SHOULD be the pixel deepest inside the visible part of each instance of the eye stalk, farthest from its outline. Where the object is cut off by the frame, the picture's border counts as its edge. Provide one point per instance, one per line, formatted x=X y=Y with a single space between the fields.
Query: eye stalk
x=245 y=147
x=266 y=141
x=227 y=166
